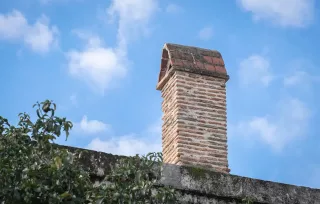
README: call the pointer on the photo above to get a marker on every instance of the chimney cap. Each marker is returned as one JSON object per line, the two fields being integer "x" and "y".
{"x": 191, "y": 59}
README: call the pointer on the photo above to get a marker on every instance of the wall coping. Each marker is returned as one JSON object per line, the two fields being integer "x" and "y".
{"x": 209, "y": 183}
{"x": 222, "y": 185}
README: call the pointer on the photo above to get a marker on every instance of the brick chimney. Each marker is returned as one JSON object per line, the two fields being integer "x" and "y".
{"x": 194, "y": 131}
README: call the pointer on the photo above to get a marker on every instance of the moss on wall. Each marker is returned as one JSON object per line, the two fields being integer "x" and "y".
{"x": 196, "y": 172}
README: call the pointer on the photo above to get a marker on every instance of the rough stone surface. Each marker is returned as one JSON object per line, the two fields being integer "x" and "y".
{"x": 216, "y": 187}
{"x": 97, "y": 163}
{"x": 197, "y": 185}
{"x": 194, "y": 130}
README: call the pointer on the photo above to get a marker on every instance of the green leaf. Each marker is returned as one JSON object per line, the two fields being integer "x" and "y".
{"x": 46, "y": 107}
{"x": 58, "y": 162}
{"x": 66, "y": 195}
{"x": 99, "y": 201}
{"x": 38, "y": 113}
{"x": 49, "y": 137}
{"x": 57, "y": 130}
{"x": 52, "y": 112}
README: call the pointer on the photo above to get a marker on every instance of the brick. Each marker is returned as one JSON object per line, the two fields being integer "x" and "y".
{"x": 217, "y": 61}
{"x": 194, "y": 130}
{"x": 176, "y": 62}
{"x": 207, "y": 59}
{"x": 209, "y": 67}
{"x": 220, "y": 69}
{"x": 199, "y": 65}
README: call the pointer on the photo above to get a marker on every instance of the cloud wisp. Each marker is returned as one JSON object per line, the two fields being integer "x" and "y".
{"x": 286, "y": 13}
{"x": 288, "y": 123}
{"x": 147, "y": 141}
{"x": 40, "y": 36}
{"x": 206, "y": 33}
{"x": 255, "y": 70}
{"x": 173, "y": 8}
{"x": 90, "y": 127}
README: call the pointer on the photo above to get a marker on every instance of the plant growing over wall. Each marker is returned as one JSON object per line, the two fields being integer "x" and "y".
{"x": 34, "y": 170}
{"x": 247, "y": 200}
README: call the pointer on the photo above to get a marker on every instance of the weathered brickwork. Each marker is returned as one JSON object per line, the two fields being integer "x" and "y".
{"x": 194, "y": 121}
{"x": 194, "y": 130}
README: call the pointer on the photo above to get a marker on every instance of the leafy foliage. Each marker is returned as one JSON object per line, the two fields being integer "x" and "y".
{"x": 247, "y": 200}
{"x": 34, "y": 170}
{"x": 137, "y": 184}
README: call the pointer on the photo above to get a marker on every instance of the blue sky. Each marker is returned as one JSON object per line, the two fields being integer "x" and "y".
{"x": 99, "y": 61}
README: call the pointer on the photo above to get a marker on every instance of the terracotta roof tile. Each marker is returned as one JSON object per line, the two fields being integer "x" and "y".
{"x": 192, "y": 58}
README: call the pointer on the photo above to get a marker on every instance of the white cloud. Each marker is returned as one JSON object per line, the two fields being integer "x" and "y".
{"x": 289, "y": 123}
{"x": 296, "y": 78}
{"x": 255, "y": 70}
{"x": 100, "y": 65}
{"x": 133, "y": 18}
{"x": 126, "y": 145}
{"x": 129, "y": 145}
{"x": 300, "y": 78}
{"x": 12, "y": 25}
{"x": 173, "y": 8}
{"x": 97, "y": 65}
{"x": 39, "y": 37}
{"x": 86, "y": 126}
{"x": 301, "y": 75}
{"x": 295, "y": 13}
{"x": 206, "y": 33}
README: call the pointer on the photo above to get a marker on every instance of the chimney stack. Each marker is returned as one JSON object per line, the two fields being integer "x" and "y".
{"x": 194, "y": 131}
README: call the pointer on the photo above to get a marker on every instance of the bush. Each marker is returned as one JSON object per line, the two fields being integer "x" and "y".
{"x": 34, "y": 170}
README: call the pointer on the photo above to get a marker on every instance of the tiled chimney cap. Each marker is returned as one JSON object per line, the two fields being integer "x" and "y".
{"x": 190, "y": 59}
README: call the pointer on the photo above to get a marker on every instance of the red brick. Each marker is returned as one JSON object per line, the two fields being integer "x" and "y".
{"x": 208, "y": 59}
{"x": 199, "y": 65}
{"x": 220, "y": 69}
{"x": 210, "y": 67}
{"x": 217, "y": 61}
{"x": 176, "y": 62}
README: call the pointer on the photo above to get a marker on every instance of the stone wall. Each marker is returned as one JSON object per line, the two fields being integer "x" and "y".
{"x": 197, "y": 185}
{"x": 203, "y": 186}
